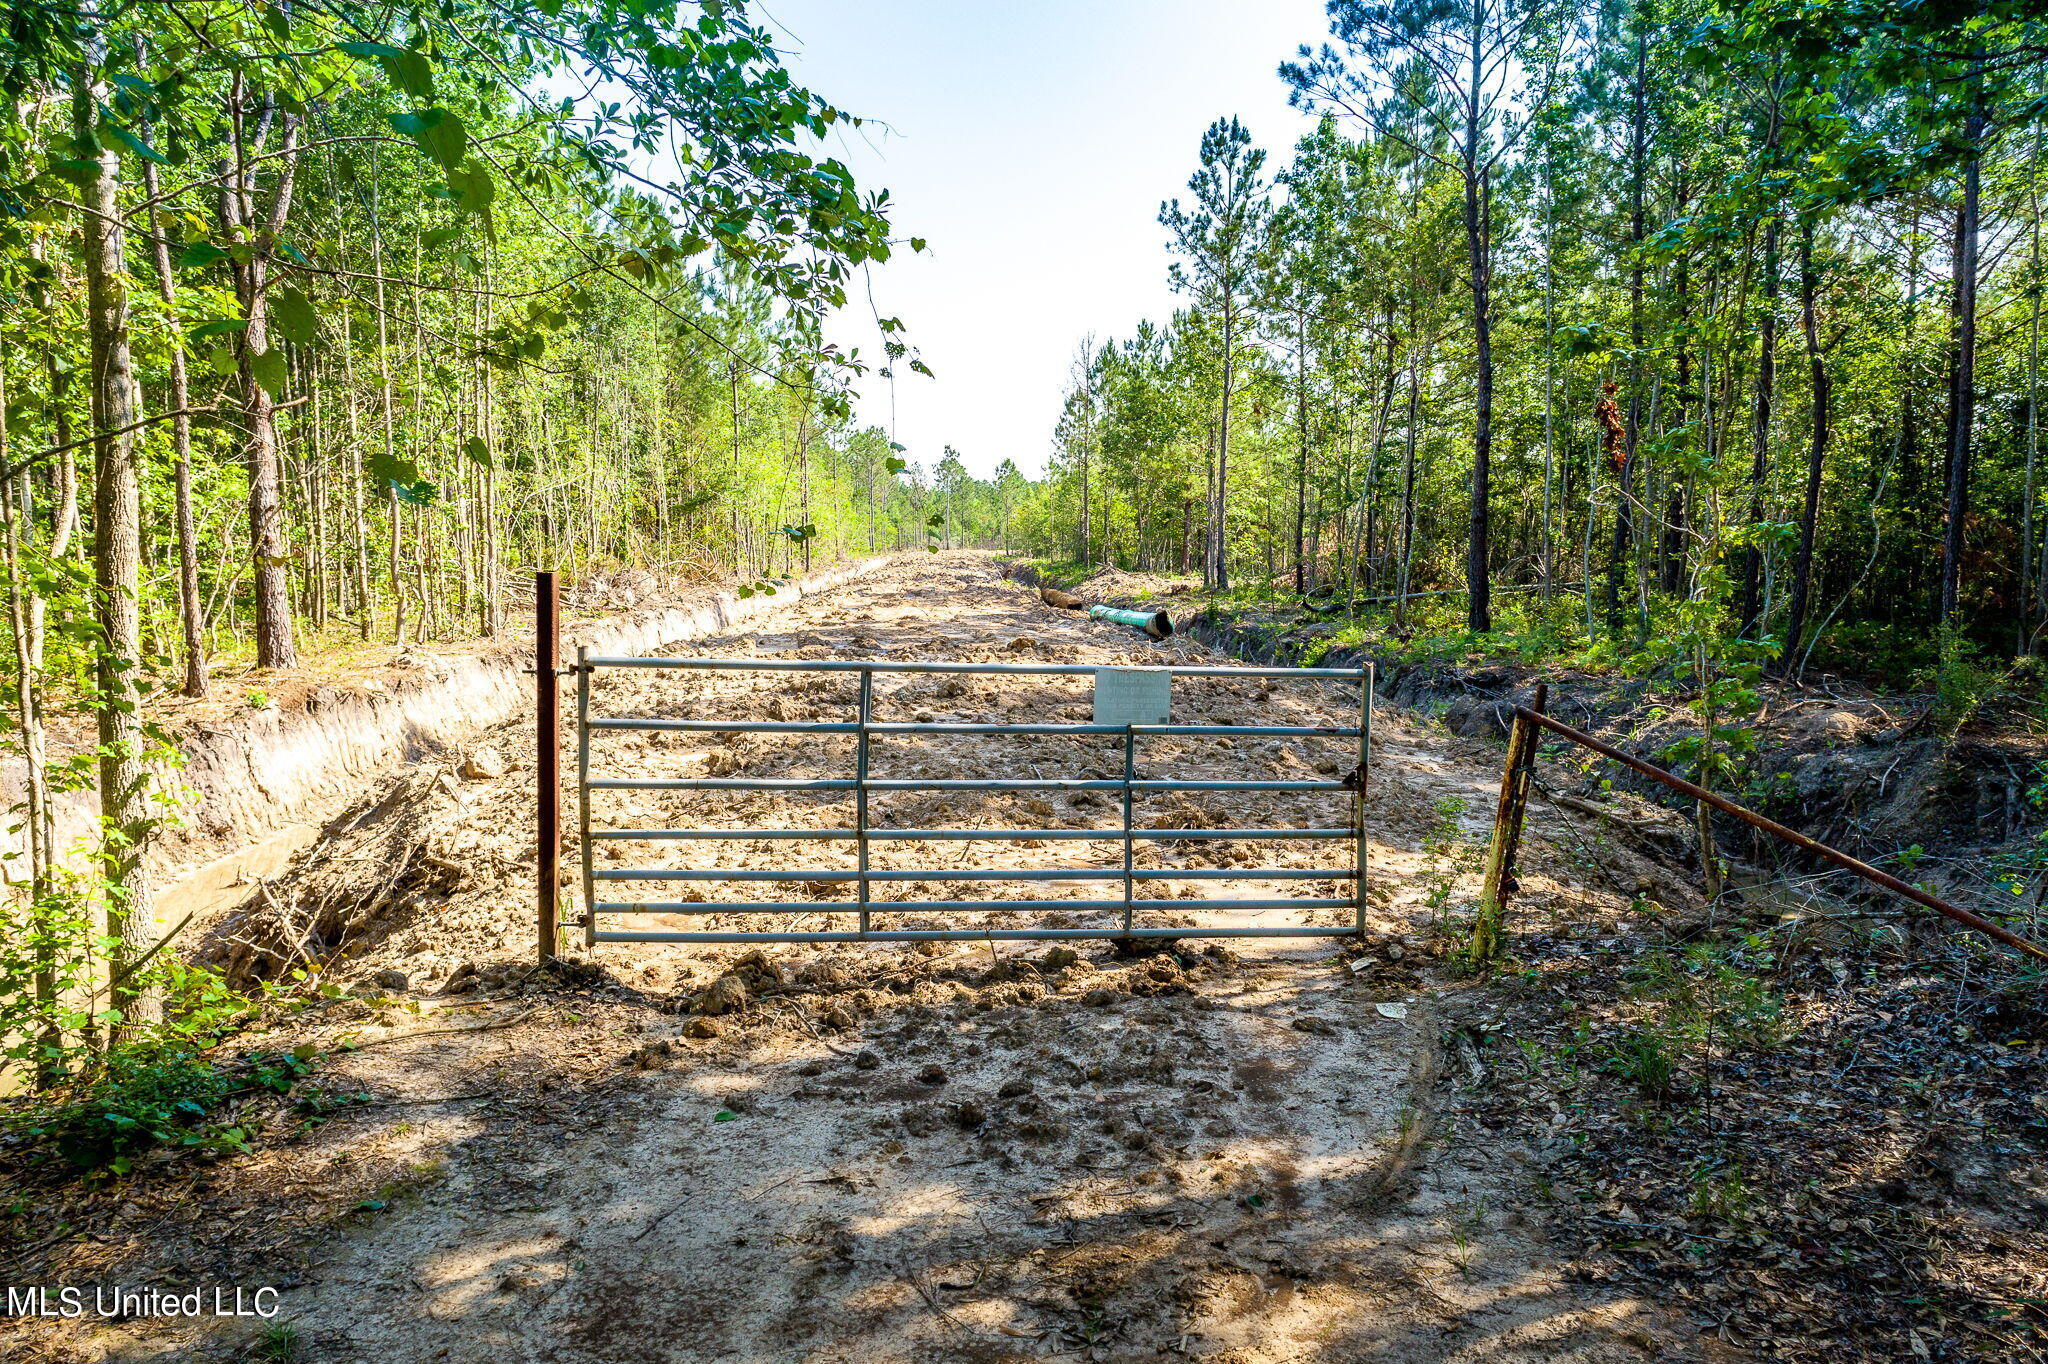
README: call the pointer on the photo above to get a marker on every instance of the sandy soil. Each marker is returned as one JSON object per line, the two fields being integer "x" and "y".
{"x": 1248, "y": 1153}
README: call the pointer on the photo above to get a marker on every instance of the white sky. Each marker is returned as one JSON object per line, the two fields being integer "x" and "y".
{"x": 1030, "y": 144}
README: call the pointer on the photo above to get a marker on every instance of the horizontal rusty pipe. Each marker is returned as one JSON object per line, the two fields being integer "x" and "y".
{"x": 1157, "y": 624}
{"x": 1792, "y": 836}
{"x": 1066, "y": 601}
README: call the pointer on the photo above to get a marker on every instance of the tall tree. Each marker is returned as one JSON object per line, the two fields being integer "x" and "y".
{"x": 1217, "y": 236}
{"x": 126, "y": 815}
{"x": 1468, "y": 56}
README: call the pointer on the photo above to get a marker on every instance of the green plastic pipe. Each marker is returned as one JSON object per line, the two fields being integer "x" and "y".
{"x": 1157, "y": 624}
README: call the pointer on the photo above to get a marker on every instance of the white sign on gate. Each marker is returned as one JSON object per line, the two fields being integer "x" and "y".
{"x": 1133, "y": 696}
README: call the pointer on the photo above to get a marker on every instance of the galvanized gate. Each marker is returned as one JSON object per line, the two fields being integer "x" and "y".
{"x": 863, "y": 833}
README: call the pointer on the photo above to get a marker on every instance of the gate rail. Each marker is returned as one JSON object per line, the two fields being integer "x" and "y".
{"x": 863, "y": 833}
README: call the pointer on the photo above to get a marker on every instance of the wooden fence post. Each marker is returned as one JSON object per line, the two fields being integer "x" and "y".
{"x": 1507, "y": 832}
{"x": 547, "y": 624}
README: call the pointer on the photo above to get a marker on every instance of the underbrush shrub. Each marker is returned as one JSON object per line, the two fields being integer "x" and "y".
{"x": 156, "y": 1092}
{"x": 1648, "y": 1059}
{"x": 1692, "y": 1003}
{"x": 1964, "y": 679}
{"x": 90, "y": 1100}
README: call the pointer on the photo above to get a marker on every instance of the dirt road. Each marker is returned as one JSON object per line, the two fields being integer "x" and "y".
{"x": 1247, "y": 1153}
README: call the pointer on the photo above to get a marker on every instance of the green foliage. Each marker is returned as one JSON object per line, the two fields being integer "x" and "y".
{"x": 1716, "y": 1190}
{"x": 48, "y": 951}
{"x": 1448, "y": 856}
{"x": 1766, "y": 173}
{"x": 1964, "y": 679}
{"x": 1693, "y": 1002}
{"x": 279, "y": 1343}
{"x": 152, "y": 1093}
{"x": 1647, "y": 1058}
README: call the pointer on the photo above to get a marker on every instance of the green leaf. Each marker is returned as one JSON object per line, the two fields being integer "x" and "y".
{"x": 895, "y": 465}
{"x": 411, "y": 72}
{"x": 408, "y": 70}
{"x": 724, "y": 1115}
{"x": 134, "y": 143}
{"x": 218, "y": 327}
{"x": 271, "y": 372}
{"x": 294, "y": 317}
{"x": 477, "y": 452}
{"x": 389, "y": 467}
{"x": 438, "y": 132}
{"x": 474, "y": 188}
{"x": 198, "y": 254}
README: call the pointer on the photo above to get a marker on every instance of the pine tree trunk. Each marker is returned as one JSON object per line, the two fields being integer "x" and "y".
{"x": 1624, "y": 500}
{"x": 1817, "y": 451}
{"x": 181, "y": 456}
{"x": 117, "y": 571}
{"x": 1408, "y": 490}
{"x": 1766, "y": 382}
{"x": 1219, "y": 508}
{"x": 1479, "y": 247}
{"x": 1760, "y": 454}
{"x": 1963, "y": 379}
{"x": 270, "y": 554}
{"x": 1301, "y": 573}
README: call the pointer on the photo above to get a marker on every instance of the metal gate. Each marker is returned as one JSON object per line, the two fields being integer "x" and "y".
{"x": 863, "y": 833}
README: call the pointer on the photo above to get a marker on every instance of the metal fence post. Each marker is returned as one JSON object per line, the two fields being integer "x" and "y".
{"x": 547, "y": 621}
{"x": 860, "y": 792}
{"x": 1130, "y": 774}
{"x": 583, "y": 790}
{"x": 1365, "y": 687}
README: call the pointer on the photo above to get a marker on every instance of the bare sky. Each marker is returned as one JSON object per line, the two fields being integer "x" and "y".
{"x": 1031, "y": 145}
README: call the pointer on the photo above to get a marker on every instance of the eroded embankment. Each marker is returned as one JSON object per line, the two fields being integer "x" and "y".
{"x": 258, "y": 788}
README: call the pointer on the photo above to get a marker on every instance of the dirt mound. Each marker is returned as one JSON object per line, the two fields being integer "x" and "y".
{"x": 1120, "y": 587}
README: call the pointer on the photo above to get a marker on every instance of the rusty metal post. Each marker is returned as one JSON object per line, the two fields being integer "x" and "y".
{"x": 547, "y": 633}
{"x": 1507, "y": 830}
